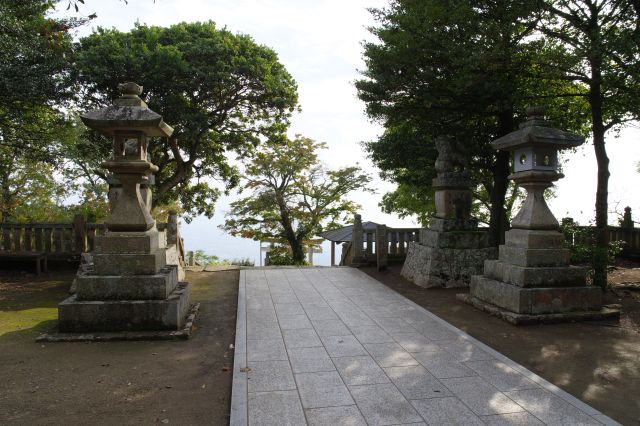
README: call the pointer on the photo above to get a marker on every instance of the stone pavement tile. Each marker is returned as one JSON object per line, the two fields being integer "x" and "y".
{"x": 266, "y": 350}
{"x": 301, "y": 338}
{"x": 415, "y": 342}
{"x": 360, "y": 370}
{"x": 446, "y": 412}
{"x": 259, "y": 303}
{"x": 320, "y": 313}
{"x": 390, "y": 354}
{"x": 261, "y": 316}
{"x": 480, "y": 396}
{"x": 269, "y": 330}
{"x": 347, "y": 415}
{"x": 394, "y": 325}
{"x": 338, "y": 346}
{"x": 275, "y": 409}
{"x": 512, "y": 419}
{"x": 371, "y": 334}
{"x": 433, "y": 330}
{"x": 322, "y": 389}
{"x": 356, "y": 319}
{"x": 270, "y": 376}
{"x": 550, "y": 408}
{"x": 442, "y": 365}
{"x": 415, "y": 382}
{"x": 383, "y": 405}
{"x": 501, "y": 375}
{"x": 284, "y": 297}
{"x": 464, "y": 350}
{"x": 288, "y": 309}
{"x": 333, "y": 327}
{"x": 310, "y": 360}
{"x": 294, "y": 322}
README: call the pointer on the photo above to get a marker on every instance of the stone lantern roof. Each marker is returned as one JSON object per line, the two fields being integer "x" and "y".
{"x": 128, "y": 112}
{"x": 537, "y": 131}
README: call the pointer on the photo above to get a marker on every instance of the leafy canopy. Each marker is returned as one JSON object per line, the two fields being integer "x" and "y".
{"x": 293, "y": 197}
{"x": 220, "y": 91}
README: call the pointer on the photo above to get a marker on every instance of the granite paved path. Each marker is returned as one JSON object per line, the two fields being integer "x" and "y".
{"x": 333, "y": 346}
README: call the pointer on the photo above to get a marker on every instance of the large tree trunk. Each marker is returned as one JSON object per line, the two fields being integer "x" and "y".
{"x": 297, "y": 252}
{"x": 498, "y": 222}
{"x": 600, "y": 257}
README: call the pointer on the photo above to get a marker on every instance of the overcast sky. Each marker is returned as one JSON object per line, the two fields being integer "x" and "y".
{"x": 319, "y": 42}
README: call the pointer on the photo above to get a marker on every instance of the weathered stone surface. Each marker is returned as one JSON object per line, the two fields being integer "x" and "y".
{"x": 454, "y": 239}
{"x": 452, "y": 203}
{"x": 444, "y": 267}
{"x": 521, "y": 276}
{"x": 133, "y": 287}
{"x": 534, "y": 257}
{"x": 121, "y": 315}
{"x": 534, "y": 239}
{"x": 443, "y": 225}
{"x": 129, "y": 264}
{"x": 126, "y": 242}
{"x": 535, "y": 300}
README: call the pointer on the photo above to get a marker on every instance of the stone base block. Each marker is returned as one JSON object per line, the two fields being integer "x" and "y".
{"x": 444, "y": 267}
{"x": 454, "y": 239}
{"x": 534, "y": 257}
{"x": 129, "y": 264}
{"x": 526, "y": 238}
{"x": 76, "y": 316}
{"x": 127, "y": 242}
{"x": 534, "y": 301}
{"x": 128, "y": 287}
{"x": 442, "y": 225}
{"x": 525, "y": 319}
{"x": 548, "y": 276}
{"x": 116, "y": 336}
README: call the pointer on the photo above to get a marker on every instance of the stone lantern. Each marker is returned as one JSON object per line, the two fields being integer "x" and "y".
{"x": 130, "y": 287}
{"x": 532, "y": 281}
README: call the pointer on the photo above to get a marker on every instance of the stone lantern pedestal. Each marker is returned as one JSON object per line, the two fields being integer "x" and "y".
{"x": 452, "y": 248}
{"x": 532, "y": 280}
{"x": 129, "y": 287}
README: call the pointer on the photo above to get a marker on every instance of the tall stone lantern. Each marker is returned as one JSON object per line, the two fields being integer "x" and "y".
{"x": 532, "y": 281}
{"x": 130, "y": 286}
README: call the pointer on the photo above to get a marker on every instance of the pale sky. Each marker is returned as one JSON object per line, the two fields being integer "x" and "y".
{"x": 319, "y": 42}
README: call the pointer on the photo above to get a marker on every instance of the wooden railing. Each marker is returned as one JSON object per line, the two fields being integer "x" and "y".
{"x": 66, "y": 241}
{"x": 397, "y": 244}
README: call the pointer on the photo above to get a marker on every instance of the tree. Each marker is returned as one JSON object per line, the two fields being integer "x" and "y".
{"x": 220, "y": 91}
{"x": 597, "y": 46}
{"x": 462, "y": 69}
{"x": 293, "y": 197}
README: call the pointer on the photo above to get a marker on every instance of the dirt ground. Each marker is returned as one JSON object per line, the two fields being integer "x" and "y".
{"x": 598, "y": 362}
{"x": 118, "y": 383}
{"x": 189, "y": 382}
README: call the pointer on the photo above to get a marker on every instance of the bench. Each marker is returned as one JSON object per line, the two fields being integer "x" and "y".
{"x": 39, "y": 257}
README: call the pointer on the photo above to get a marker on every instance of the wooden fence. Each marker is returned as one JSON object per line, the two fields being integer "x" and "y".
{"x": 66, "y": 241}
{"x": 397, "y": 244}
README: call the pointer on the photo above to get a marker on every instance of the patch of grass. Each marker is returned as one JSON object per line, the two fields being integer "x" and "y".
{"x": 12, "y": 321}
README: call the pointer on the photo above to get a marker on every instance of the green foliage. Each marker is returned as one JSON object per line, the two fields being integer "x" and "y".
{"x": 220, "y": 91}
{"x": 596, "y": 45}
{"x": 293, "y": 197}
{"x": 464, "y": 69}
{"x": 281, "y": 256}
{"x": 581, "y": 240}
{"x": 204, "y": 259}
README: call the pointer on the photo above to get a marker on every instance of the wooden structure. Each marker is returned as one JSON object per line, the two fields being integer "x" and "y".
{"x": 65, "y": 241}
{"x": 395, "y": 247}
